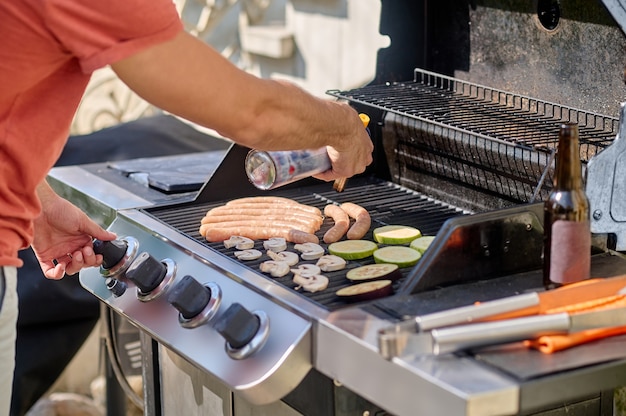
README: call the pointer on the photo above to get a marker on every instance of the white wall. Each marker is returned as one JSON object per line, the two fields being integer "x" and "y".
{"x": 321, "y": 44}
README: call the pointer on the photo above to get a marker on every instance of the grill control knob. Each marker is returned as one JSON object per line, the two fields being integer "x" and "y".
{"x": 238, "y": 326}
{"x": 116, "y": 255}
{"x": 190, "y": 297}
{"x": 112, "y": 251}
{"x": 146, "y": 272}
{"x": 117, "y": 287}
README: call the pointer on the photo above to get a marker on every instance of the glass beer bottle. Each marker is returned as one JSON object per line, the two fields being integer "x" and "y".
{"x": 567, "y": 235}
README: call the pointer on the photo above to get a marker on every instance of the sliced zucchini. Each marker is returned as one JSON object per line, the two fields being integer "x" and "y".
{"x": 366, "y": 291}
{"x": 382, "y": 271}
{"x": 396, "y": 234}
{"x": 422, "y": 243}
{"x": 402, "y": 256}
{"x": 353, "y": 249}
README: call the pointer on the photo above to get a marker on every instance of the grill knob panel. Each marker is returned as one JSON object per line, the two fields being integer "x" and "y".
{"x": 238, "y": 326}
{"x": 250, "y": 370}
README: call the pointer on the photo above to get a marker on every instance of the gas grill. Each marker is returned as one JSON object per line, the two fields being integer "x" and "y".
{"x": 465, "y": 162}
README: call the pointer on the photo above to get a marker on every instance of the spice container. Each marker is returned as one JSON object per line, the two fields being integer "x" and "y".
{"x": 269, "y": 170}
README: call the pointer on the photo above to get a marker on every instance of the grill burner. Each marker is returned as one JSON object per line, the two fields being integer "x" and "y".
{"x": 387, "y": 204}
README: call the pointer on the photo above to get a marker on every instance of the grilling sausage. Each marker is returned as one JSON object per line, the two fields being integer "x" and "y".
{"x": 342, "y": 223}
{"x": 262, "y": 218}
{"x": 305, "y": 222}
{"x": 261, "y": 232}
{"x": 262, "y": 209}
{"x": 252, "y": 202}
{"x": 258, "y": 223}
{"x": 270, "y": 207}
{"x": 362, "y": 220}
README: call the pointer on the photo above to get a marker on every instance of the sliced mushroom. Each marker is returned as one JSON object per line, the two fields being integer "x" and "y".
{"x": 311, "y": 283}
{"x": 310, "y": 251}
{"x": 239, "y": 242}
{"x": 275, "y": 244}
{"x": 275, "y": 268}
{"x": 249, "y": 254}
{"x": 307, "y": 270}
{"x": 331, "y": 263}
{"x": 288, "y": 257}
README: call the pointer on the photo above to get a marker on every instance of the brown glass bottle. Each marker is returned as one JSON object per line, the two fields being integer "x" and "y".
{"x": 567, "y": 236}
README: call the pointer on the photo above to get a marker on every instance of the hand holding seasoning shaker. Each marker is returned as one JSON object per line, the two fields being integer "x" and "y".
{"x": 269, "y": 170}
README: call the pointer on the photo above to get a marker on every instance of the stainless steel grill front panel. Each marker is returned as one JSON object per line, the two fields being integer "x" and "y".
{"x": 263, "y": 377}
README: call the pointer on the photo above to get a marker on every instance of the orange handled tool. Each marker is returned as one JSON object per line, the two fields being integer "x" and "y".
{"x": 549, "y": 344}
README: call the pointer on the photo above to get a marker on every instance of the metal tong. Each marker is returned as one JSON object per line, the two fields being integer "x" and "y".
{"x": 515, "y": 318}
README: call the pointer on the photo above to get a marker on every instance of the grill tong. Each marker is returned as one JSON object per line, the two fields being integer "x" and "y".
{"x": 515, "y": 318}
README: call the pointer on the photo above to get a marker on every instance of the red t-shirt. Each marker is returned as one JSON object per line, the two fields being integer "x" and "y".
{"x": 49, "y": 50}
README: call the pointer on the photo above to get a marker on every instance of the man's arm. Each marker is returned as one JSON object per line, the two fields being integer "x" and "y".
{"x": 190, "y": 79}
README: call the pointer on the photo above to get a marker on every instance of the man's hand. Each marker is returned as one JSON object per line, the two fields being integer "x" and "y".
{"x": 356, "y": 153}
{"x": 63, "y": 235}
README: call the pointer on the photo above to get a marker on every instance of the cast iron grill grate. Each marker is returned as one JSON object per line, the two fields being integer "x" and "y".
{"x": 494, "y": 141}
{"x": 386, "y": 202}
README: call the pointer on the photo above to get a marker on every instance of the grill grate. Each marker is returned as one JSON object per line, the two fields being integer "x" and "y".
{"x": 493, "y": 141}
{"x": 386, "y": 202}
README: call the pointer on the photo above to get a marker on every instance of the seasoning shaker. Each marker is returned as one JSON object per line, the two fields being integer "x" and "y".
{"x": 269, "y": 170}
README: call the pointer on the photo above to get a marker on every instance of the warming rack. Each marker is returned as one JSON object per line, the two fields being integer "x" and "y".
{"x": 492, "y": 140}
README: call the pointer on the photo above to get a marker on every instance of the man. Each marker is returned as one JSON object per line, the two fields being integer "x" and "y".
{"x": 61, "y": 311}
{"x": 49, "y": 50}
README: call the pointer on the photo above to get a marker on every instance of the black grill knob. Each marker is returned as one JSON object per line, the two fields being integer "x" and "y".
{"x": 146, "y": 272}
{"x": 190, "y": 297}
{"x": 112, "y": 251}
{"x": 117, "y": 287}
{"x": 238, "y": 326}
